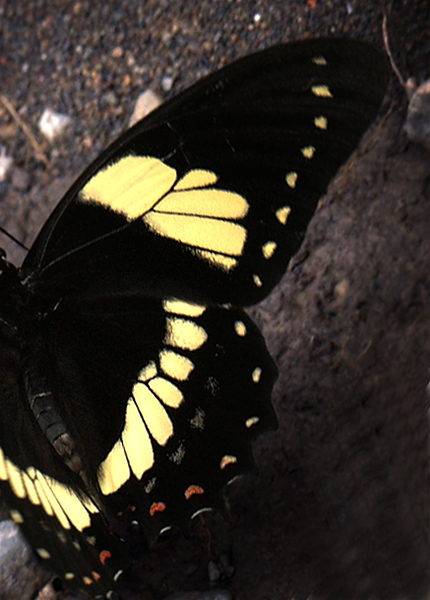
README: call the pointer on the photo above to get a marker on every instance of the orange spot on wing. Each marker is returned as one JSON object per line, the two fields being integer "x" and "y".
{"x": 156, "y": 507}
{"x": 104, "y": 556}
{"x": 192, "y": 490}
{"x": 96, "y": 576}
{"x": 87, "y": 580}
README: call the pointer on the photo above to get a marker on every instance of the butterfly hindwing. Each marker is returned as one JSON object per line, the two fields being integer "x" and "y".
{"x": 163, "y": 398}
{"x": 64, "y": 529}
{"x": 172, "y": 396}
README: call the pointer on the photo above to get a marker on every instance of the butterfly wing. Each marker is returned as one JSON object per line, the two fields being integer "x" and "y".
{"x": 160, "y": 382}
{"x": 59, "y": 521}
{"x": 66, "y": 532}
{"x": 209, "y": 197}
{"x": 162, "y": 401}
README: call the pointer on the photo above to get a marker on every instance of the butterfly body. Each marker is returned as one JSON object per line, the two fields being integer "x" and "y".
{"x": 133, "y": 382}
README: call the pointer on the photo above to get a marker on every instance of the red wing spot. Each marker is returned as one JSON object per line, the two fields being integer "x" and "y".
{"x": 96, "y": 576}
{"x": 192, "y": 490}
{"x": 156, "y": 507}
{"x": 104, "y": 556}
{"x": 132, "y": 508}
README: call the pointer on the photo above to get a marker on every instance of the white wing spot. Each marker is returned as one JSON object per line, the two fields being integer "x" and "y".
{"x": 257, "y": 280}
{"x": 251, "y": 421}
{"x": 226, "y": 460}
{"x": 319, "y": 60}
{"x": 256, "y": 374}
{"x": 16, "y": 517}
{"x": 44, "y": 554}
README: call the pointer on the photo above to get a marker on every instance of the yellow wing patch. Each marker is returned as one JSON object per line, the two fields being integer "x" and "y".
{"x": 175, "y": 365}
{"x": 56, "y": 499}
{"x": 130, "y": 186}
{"x": 217, "y": 235}
{"x": 179, "y": 307}
{"x": 185, "y": 334}
{"x": 187, "y": 210}
{"x": 153, "y": 395}
{"x": 196, "y": 178}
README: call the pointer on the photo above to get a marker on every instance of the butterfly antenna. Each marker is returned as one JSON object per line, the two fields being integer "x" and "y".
{"x": 13, "y": 238}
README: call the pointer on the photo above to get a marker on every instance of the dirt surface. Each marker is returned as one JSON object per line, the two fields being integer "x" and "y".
{"x": 340, "y": 509}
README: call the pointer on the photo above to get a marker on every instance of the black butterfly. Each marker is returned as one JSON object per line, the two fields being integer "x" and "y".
{"x": 131, "y": 382}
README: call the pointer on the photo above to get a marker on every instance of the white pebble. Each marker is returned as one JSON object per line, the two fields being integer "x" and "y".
{"x": 5, "y": 163}
{"x": 167, "y": 83}
{"x": 146, "y": 103}
{"x": 52, "y": 124}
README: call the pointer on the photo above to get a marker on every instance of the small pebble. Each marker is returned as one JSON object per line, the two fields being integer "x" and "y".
{"x": 5, "y": 163}
{"x": 146, "y": 102}
{"x": 167, "y": 83}
{"x": 117, "y": 52}
{"x": 52, "y": 124}
{"x": 110, "y": 98}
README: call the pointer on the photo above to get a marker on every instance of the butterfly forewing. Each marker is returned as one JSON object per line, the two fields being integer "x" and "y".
{"x": 219, "y": 184}
{"x": 120, "y": 330}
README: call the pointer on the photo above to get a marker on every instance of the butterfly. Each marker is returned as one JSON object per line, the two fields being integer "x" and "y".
{"x": 132, "y": 380}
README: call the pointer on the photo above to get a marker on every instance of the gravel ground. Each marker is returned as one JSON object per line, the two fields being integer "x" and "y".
{"x": 340, "y": 509}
